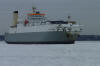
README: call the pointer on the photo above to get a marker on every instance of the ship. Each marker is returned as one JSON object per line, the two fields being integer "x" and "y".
{"x": 37, "y": 29}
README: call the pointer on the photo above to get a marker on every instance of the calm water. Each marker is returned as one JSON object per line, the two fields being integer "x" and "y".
{"x": 82, "y": 53}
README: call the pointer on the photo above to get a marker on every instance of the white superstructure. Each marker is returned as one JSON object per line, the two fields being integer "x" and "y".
{"x": 36, "y": 22}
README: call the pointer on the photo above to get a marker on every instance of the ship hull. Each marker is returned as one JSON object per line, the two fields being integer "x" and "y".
{"x": 39, "y": 38}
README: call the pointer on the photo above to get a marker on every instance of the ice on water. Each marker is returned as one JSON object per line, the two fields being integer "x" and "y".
{"x": 82, "y": 53}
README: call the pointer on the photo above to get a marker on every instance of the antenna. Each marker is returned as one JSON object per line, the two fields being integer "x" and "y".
{"x": 33, "y": 6}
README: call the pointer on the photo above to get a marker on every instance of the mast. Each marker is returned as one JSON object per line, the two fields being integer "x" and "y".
{"x": 33, "y": 9}
{"x": 69, "y": 17}
{"x": 70, "y": 28}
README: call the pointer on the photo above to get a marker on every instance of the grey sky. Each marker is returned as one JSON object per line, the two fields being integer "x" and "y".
{"x": 85, "y": 12}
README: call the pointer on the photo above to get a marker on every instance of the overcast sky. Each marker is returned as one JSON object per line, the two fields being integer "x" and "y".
{"x": 85, "y": 12}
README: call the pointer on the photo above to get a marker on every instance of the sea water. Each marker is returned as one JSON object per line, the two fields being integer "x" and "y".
{"x": 82, "y": 53}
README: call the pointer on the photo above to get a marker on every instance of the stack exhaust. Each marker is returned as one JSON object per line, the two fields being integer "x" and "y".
{"x": 15, "y": 18}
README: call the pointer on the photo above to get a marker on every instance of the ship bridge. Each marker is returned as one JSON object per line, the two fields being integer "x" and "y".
{"x": 36, "y": 18}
